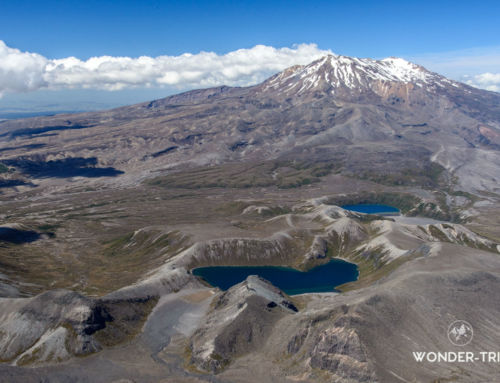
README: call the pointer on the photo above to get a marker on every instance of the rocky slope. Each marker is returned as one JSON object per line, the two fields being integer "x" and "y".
{"x": 367, "y": 335}
{"x": 370, "y": 335}
{"x": 364, "y": 115}
{"x": 59, "y": 324}
{"x": 240, "y": 322}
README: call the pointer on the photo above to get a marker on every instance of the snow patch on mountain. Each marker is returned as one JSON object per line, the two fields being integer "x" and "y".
{"x": 334, "y": 72}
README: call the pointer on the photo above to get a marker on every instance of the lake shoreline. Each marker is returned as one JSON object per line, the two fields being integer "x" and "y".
{"x": 320, "y": 279}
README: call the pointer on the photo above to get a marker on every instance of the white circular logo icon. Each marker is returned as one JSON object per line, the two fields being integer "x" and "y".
{"x": 460, "y": 333}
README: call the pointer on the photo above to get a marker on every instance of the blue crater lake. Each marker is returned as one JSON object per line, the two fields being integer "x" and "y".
{"x": 372, "y": 209}
{"x": 319, "y": 279}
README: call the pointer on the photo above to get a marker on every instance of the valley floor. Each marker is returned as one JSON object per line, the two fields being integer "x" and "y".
{"x": 143, "y": 317}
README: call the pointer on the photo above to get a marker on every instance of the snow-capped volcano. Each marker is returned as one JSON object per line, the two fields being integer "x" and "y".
{"x": 333, "y": 72}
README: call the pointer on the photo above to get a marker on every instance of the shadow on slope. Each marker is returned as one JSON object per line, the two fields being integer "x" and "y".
{"x": 64, "y": 168}
{"x": 27, "y": 147}
{"x": 30, "y": 132}
{"x": 17, "y": 236}
{"x": 12, "y": 183}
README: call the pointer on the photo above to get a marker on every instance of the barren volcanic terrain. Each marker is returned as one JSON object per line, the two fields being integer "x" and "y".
{"x": 105, "y": 214}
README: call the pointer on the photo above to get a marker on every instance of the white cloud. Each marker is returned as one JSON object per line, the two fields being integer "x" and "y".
{"x": 24, "y": 71}
{"x": 488, "y": 81}
{"x": 20, "y": 71}
{"x": 462, "y": 62}
{"x": 477, "y": 67}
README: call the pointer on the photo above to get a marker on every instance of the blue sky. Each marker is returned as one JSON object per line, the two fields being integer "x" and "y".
{"x": 456, "y": 38}
{"x": 88, "y": 28}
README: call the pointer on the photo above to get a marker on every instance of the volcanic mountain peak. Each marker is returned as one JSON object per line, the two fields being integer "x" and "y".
{"x": 334, "y": 71}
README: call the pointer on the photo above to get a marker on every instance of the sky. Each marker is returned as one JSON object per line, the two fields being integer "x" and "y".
{"x": 83, "y": 55}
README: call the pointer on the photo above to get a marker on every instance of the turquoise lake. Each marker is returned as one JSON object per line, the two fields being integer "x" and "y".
{"x": 371, "y": 209}
{"x": 319, "y": 279}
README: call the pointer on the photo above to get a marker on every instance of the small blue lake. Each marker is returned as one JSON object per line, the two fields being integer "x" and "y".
{"x": 372, "y": 209}
{"x": 319, "y": 279}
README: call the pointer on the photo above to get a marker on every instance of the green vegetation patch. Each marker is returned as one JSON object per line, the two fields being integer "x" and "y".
{"x": 436, "y": 233}
{"x": 429, "y": 176}
{"x": 126, "y": 319}
{"x": 371, "y": 269}
{"x": 282, "y": 174}
{"x": 237, "y": 207}
{"x": 122, "y": 260}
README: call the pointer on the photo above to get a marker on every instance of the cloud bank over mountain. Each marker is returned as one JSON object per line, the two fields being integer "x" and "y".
{"x": 488, "y": 81}
{"x": 27, "y": 72}
{"x": 478, "y": 67}
{"x": 21, "y": 71}
{"x": 24, "y": 71}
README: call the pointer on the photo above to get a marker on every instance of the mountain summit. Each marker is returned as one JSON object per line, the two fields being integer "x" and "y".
{"x": 339, "y": 73}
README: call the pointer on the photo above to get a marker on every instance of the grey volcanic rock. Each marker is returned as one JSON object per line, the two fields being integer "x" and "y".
{"x": 369, "y": 335}
{"x": 59, "y": 324}
{"x": 253, "y": 332}
{"x": 7, "y": 289}
{"x": 240, "y": 322}
{"x": 41, "y": 322}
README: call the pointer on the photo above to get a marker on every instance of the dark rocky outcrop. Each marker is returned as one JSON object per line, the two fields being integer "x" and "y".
{"x": 240, "y": 322}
